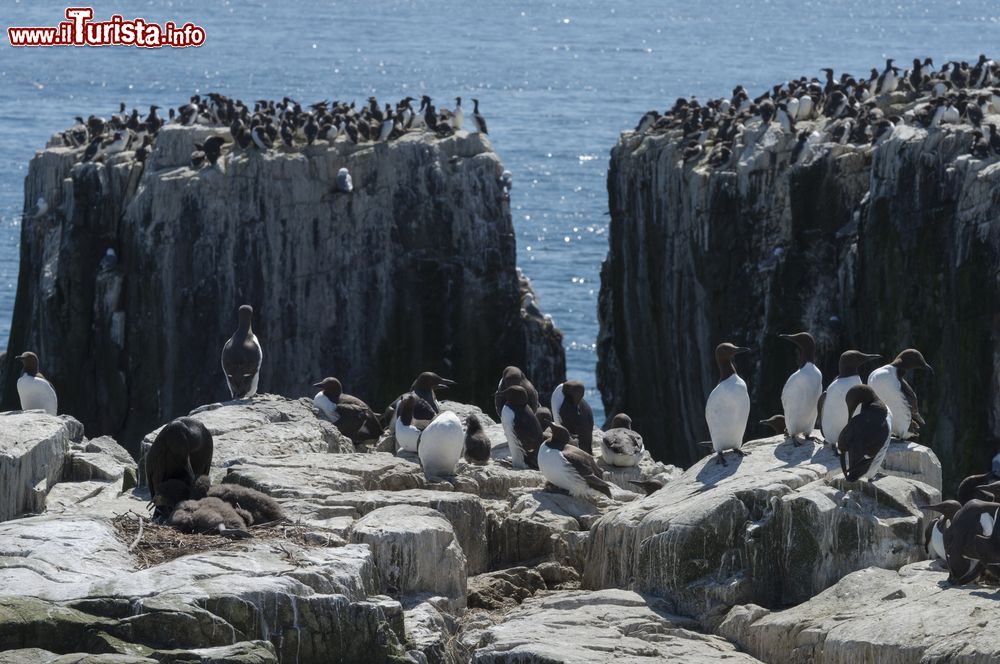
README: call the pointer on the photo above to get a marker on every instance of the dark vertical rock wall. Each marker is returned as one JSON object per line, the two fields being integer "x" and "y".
{"x": 871, "y": 248}
{"x": 414, "y": 270}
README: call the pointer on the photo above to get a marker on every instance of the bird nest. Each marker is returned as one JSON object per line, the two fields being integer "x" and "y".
{"x": 152, "y": 543}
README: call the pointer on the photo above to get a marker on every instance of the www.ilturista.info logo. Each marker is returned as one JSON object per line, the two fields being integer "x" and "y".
{"x": 79, "y": 30}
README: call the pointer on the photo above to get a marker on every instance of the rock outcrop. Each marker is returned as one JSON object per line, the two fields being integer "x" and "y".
{"x": 773, "y": 528}
{"x": 910, "y": 616}
{"x": 33, "y": 450}
{"x": 413, "y": 271}
{"x": 375, "y": 563}
{"x": 875, "y": 248}
{"x": 595, "y": 628}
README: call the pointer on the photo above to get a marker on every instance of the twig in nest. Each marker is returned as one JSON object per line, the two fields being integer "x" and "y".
{"x": 137, "y": 537}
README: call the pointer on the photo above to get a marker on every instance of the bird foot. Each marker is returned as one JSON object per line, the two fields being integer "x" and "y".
{"x": 506, "y": 463}
{"x": 796, "y": 442}
{"x": 741, "y": 453}
{"x": 721, "y": 459}
{"x": 552, "y": 488}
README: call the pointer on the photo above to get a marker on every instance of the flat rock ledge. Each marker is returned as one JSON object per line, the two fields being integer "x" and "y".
{"x": 379, "y": 564}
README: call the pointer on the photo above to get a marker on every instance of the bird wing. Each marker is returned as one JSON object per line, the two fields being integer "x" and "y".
{"x": 862, "y": 438}
{"x": 819, "y": 411}
{"x": 911, "y": 400}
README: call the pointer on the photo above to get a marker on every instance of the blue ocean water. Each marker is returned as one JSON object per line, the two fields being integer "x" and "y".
{"x": 557, "y": 82}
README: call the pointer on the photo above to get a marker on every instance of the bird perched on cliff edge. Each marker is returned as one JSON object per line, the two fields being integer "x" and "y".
{"x": 33, "y": 389}
{"x": 728, "y": 406}
{"x": 242, "y": 357}
{"x": 891, "y": 387}
{"x": 864, "y": 440}
{"x": 800, "y": 396}
{"x": 833, "y": 413}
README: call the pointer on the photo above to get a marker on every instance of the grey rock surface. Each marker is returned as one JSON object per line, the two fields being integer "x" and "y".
{"x": 773, "y": 528}
{"x": 33, "y": 450}
{"x": 596, "y": 627}
{"x": 909, "y": 616}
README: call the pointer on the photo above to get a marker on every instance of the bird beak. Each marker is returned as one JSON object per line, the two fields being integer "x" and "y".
{"x": 743, "y": 349}
{"x": 444, "y": 383}
{"x": 319, "y": 384}
{"x": 785, "y": 336}
{"x": 929, "y": 368}
{"x": 872, "y": 356}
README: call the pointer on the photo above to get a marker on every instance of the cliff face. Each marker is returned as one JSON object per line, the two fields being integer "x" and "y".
{"x": 872, "y": 248}
{"x": 413, "y": 271}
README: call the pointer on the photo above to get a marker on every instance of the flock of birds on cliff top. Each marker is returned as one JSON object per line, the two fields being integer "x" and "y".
{"x": 269, "y": 125}
{"x": 859, "y": 420}
{"x": 848, "y": 109}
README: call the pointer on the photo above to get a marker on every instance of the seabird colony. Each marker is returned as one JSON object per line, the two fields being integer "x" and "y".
{"x": 841, "y": 109}
{"x": 858, "y": 419}
{"x": 267, "y": 125}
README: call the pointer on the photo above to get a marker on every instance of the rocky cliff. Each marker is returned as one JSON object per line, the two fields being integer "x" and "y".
{"x": 871, "y": 247}
{"x": 413, "y": 271}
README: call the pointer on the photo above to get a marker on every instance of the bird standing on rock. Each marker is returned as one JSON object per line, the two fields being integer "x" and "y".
{"x": 728, "y": 406}
{"x": 477, "y": 444}
{"x": 33, "y": 389}
{"x": 352, "y": 416}
{"x": 570, "y": 468}
{"x": 891, "y": 387}
{"x": 514, "y": 376}
{"x": 479, "y": 119}
{"x": 800, "y": 396}
{"x": 440, "y": 445}
{"x": 407, "y": 427}
{"x": 864, "y": 440}
{"x": 833, "y": 408}
{"x": 571, "y": 410}
{"x": 620, "y": 445}
{"x": 521, "y": 427}
{"x": 242, "y": 357}
{"x": 344, "y": 183}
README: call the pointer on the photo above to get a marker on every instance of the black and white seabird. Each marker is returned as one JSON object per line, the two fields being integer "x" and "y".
{"x": 621, "y": 445}
{"x": 521, "y": 428}
{"x": 407, "y": 426}
{"x": 440, "y": 445}
{"x": 833, "y": 407}
{"x": 800, "y": 396}
{"x": 477, "y": 444}
{"x": 352, "y": 416}
{"x": 891, "y": 387}
{"x": 181, "y": 451}
{"x": 344, "y": 182}
{"x": 728, "y": 406}
{"x": 934, "y": 533}
{"x": 514, "y": 376}
{"x": 458, "y": 115}
{"x": 479, "y": 119}
{"x": 571, "y": 410}
{"x": 426, "y": 406}
{"x": 864, "y": 440}
{"x": 242, "y": 357}
{"x": 33, "y": 389}
{"x": 964, "y": 551}
{"x": 569, "y": 468}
